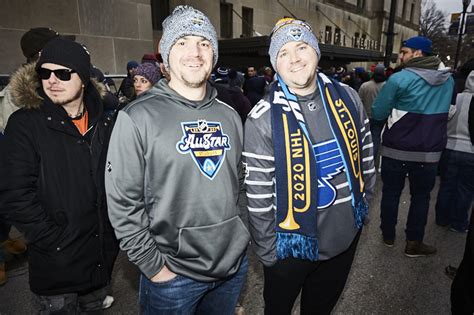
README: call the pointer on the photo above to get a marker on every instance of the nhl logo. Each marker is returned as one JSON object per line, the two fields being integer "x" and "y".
{"x": 197, "y": 22}
{"x": 206, "y": 143}
{"x": 296, "y": 33}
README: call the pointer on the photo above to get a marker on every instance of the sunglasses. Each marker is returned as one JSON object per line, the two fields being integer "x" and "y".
{"x": 61, "y": 74}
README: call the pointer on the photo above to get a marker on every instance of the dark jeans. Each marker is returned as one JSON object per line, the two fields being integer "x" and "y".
{"x": 4, "y": 232}
{"x": 72, "y": 303}
{"x": 456, "y": 190}
{"x": 182, "y": 295}
{"x": 422, "y": 178}
{"x": 321, "y": 282}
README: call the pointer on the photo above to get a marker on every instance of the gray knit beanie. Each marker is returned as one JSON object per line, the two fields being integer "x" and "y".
{"x": 185, "y": 21}
{"x": 288, "y": 30}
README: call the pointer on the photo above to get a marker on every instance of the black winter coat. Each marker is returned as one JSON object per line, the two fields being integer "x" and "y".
{"x": 51, "y": 189}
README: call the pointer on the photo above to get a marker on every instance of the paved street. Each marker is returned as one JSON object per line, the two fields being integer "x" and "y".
{"x": 382, "y": 280}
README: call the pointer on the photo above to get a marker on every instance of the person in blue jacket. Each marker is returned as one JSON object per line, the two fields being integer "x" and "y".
{"x": 416, "y": 103}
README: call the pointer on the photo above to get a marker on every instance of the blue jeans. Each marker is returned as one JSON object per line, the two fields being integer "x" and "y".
{"x": 456, "y": 190}
{"x": 182, "y": 295}
{"x": 422, "y": 178}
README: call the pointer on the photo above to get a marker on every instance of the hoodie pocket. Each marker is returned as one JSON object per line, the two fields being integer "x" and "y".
{"x": 213, "y": 250}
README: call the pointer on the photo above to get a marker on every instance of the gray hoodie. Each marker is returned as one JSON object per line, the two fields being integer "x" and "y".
{"x": 172, "y": 184}
{"x": 459, "y": 138}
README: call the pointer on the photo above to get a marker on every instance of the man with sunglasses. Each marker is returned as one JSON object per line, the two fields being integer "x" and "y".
{"x": 310, "y": 174}
{"x": 51, "y": 179}
{"x": 31, "y": 44}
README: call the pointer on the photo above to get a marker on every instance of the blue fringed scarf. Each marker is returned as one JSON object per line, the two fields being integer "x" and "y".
{"x": 295, "y": 165}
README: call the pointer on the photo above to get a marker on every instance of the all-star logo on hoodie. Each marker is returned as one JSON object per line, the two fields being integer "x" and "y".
{"x": 206, "y": 143}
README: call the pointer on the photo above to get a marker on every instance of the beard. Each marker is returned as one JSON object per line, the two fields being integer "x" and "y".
{"x": 195, "y": 80}
{"x": 65, "y": 101}
{"x": 304, "y": 80}
{"x": 190, "y": 78}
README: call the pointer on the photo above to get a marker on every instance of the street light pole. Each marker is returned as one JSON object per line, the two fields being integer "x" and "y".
{"x": 390, "y": 33}
{"x": 465, "y": 4}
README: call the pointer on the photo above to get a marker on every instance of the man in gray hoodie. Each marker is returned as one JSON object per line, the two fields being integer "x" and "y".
{"x": 172, "y": 180}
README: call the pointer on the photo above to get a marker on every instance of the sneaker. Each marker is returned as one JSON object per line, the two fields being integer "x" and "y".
{"x": 108, "y": 301}
{"x": 3, "y": 274}
{"x": 239, "y": 310}
{"x": 14, "y": 247}
{"x": 452, "y": 229}
{"x": 450, "y": 271}
{"x": 388, "y": 242}
{"x": 418, "y": 249}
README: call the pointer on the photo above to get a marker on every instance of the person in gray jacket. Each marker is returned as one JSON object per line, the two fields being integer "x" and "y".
{"x": 310, "y": 175}
{"x": 172, "y": 180}
{"x": 456, "y": 189}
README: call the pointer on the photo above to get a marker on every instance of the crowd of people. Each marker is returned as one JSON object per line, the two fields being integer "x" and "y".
{"x": 156, "y": 168}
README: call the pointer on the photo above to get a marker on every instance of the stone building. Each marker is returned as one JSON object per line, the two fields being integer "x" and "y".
{"x": 349, "y": 30}
{"x": 116, "y": 31}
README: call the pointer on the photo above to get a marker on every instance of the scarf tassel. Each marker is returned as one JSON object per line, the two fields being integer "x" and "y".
{"x": 296, "y": 246}
{"x": 361, "y": 210}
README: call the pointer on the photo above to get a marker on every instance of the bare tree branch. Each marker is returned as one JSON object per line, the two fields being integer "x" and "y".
{"x": 432, "y": 21}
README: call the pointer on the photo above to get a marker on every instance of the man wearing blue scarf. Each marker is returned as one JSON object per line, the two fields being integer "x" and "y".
{"x": 310, "y": 174}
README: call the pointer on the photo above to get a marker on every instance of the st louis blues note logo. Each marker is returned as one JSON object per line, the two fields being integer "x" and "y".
{"x": 329, "y": 164}
{"x": 206, "y": 143}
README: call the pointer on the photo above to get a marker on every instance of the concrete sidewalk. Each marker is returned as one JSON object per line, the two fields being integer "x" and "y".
{"x": 382, "y": 280}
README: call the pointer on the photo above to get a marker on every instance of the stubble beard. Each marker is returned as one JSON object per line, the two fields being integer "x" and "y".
{"x": 73, "y": 98}
{"x": 195, "y": 82}
{"x": 303, "y": 82}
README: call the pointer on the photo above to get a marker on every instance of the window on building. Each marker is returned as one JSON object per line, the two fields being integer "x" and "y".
{"x": 404, "y": 7}
{"x": 226, "y": 20}
{"x": 328, "y": 35}
{"x": 361, "y": 4}
{"x": 160, "y": 9}
{"x": 363, "y": 41}
{"x": 355, "y": 44}
{"x": 337, "y": 36}
{"x": 412, "y": 13}
{"x": 247, "y": 22}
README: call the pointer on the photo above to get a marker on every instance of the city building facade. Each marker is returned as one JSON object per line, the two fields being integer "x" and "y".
{"x": 348, "y": 30}
{"x": 116, "y": 31}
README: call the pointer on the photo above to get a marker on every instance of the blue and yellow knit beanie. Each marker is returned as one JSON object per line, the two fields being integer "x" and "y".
{"x": 288, "y": 30}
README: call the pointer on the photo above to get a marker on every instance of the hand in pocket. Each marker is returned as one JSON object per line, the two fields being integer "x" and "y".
{"x": 164, "y": 275}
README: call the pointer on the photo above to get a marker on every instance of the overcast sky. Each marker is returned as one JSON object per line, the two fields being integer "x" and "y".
{"x": 451, "y": 6}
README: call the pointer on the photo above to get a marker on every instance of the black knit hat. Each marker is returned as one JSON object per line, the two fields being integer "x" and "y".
{"x": 69, "y": 54}
{"x": 34, "y": 40}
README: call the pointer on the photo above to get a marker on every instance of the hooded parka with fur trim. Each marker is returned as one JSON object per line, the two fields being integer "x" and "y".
{"x": 51, "y": 189}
